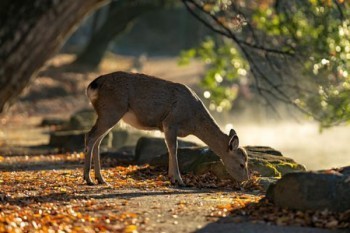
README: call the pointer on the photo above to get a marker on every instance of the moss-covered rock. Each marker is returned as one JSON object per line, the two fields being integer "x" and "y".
{"x": 201, "y": 159}
{"x": 264, "y": 168}
{"x": 148, "y": 148}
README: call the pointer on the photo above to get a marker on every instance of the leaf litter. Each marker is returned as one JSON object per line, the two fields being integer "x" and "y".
{"x": 36, "y": 199}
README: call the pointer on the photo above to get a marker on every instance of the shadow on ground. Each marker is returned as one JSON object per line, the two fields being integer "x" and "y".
{"x": 98, "y": 193}
{"x": 221, "y": 227}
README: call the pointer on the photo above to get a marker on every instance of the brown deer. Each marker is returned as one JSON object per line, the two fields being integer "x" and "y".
{"x": 149, "y": 103}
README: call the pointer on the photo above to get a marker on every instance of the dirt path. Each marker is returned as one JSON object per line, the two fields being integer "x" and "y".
{"x": 43, "y": 193}
{"x": 47, "y": 192}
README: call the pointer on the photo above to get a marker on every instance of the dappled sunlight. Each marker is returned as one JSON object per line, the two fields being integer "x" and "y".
{"x": 44, "y": 198}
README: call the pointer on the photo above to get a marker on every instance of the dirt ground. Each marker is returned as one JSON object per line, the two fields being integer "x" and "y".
{"x": 46, "y": 193}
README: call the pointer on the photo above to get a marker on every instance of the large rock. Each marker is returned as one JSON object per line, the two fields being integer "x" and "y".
{"x": 81, "y": 120}
{"x": 73, "y": 140}
{"x": 313, "y": 191}
{"x": 57, "y": 122}
{"x": 256, "y": 150}
{"x": 148, "y": 148}
{"x": 270, "y": 163}
{"x": 71, "y": 135}
{"x": 132, "y": 137}
{"x": 265, "y": 160}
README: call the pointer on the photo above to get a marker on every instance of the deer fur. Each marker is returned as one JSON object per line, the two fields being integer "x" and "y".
{"x": 149, "y": 103}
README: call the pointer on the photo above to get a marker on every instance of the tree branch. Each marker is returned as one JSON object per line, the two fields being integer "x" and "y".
{"x": 341, "y": 13}
{"x": 203, "y": 20}
{"x": 228, "y": 33}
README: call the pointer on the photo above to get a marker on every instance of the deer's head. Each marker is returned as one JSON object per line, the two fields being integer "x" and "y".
{"x": 236, "y": 159}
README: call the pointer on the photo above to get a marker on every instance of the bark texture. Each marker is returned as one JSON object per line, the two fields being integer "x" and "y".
{"x": 120, "y": 17}
{"x": 30, "y": 33}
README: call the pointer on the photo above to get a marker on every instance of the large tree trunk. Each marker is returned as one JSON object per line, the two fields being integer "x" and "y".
{"x": 120, "y": 17}
{"x": 30, "y": 33}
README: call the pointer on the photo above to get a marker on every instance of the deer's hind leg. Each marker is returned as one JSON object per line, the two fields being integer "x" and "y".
{"x": 96, "y": 159}
{"x": 103, "y": 125}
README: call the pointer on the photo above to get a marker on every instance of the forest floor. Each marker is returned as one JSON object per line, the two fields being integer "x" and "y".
{"x": 46, "y": 193}
{"x": 43, "y": 192}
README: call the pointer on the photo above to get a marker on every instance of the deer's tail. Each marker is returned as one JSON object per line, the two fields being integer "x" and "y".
{"x": 92, "y": 90}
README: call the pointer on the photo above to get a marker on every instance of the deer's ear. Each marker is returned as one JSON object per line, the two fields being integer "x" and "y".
{"x": 234, "y": 142}
{"x": 232, "y": 132}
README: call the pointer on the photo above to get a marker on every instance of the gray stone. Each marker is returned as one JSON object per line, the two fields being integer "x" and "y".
{"x": 189, "y": 159}
{"x": 118, "y": 138}
{"x": 265, "y": 182}
{"x": 345, "y": 170}
{"x": 215, "y": 167}
{"x": 122, "y": 155}
{"x": 270, "y": 162}
{"x": 226, "y": 225}
{"x": 263, "y": 149}
{"x": 132, "y": 137}
{"x": 342, "y": 170}
{"x": 72, "y": 140}
{"x": 201, "y": 160}
{"x": 148, "y": 148}
{"x": 71, "y": 136}
{"x": 81, "y": 120}
{"x": 312, "y": 191}
{"x": 67, "y": 140}
{"x": 53, "y": 122}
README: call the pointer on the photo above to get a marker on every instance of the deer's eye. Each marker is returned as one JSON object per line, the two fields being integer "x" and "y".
{"x": 242, "y": 165}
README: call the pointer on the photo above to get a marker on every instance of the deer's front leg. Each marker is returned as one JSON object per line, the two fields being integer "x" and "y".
{"x": 171, "y": 142}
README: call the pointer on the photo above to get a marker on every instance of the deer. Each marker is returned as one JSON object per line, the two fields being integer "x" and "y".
{"x": 150, "y": 103}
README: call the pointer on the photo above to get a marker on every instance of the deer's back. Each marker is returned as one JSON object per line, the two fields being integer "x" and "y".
{"x": 148, "y": 99}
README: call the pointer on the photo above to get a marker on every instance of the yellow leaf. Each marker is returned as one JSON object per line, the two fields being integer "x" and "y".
{"x": 130, "y": 229}
{"x": 208, "y": 7}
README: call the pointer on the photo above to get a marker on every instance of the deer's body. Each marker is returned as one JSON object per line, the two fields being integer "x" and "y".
{"x": 149, "y": 103}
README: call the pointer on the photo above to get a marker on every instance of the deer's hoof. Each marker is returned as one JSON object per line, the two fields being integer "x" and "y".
{"x": 102, "y": 182}
{"x": 177, "y": 182}
{"x": 180, "y": 184}
{"x": 89, "y": 181}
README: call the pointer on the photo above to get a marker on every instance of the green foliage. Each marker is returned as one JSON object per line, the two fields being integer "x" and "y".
{"x": 314, "y": 32}
{"x": 225, "y": 68}
{"x": 322, "y": 39}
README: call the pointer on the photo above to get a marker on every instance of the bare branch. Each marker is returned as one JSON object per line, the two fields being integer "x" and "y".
{"x": 228, "y": 33}
{"x": 192, "y": 12}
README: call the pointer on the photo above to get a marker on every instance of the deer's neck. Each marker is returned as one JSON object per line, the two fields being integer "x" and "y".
{"x": 210, "y": 133}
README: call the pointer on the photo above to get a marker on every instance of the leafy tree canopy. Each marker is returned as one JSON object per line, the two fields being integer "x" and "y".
{"x": 295, "y": 51}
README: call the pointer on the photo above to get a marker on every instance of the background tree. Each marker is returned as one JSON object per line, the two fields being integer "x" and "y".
{"x": 30, "y": 33}
{"x": 120, "y": 16}
{"x": 297, "y": 52}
